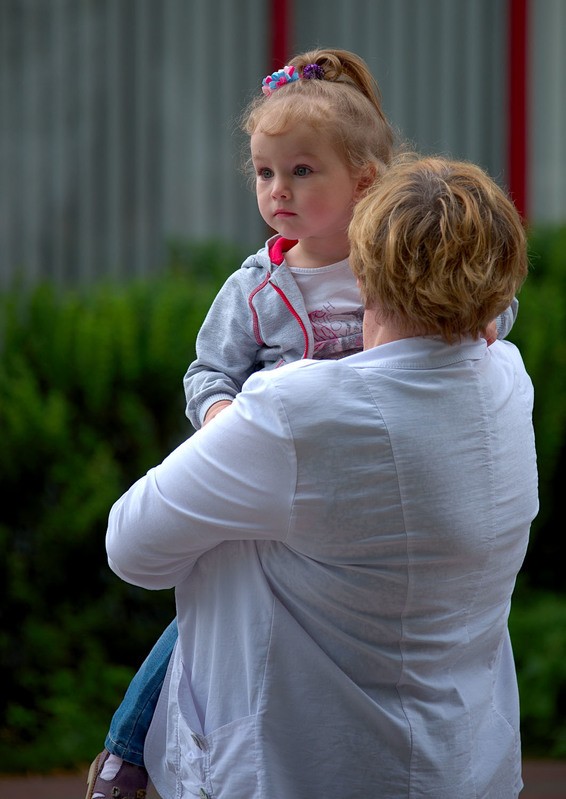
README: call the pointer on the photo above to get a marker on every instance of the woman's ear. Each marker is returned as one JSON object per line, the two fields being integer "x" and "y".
{"x": 367, "y": 178}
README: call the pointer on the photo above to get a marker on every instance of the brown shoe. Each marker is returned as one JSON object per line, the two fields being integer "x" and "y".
{"x": 129, "y": 783}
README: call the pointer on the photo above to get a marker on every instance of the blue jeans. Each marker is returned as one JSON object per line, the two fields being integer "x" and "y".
{"x": 131, "y": 721}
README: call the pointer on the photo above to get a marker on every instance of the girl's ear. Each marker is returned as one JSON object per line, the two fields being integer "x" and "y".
{"x": 367, "y": 178}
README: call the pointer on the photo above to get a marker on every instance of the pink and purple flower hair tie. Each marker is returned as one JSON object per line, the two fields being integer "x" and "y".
{"x": 288, "y": 74}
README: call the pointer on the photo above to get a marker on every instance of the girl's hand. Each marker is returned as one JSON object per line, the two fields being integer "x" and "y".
{"x": 490, "y": 334}
{"x": 215, "y": 409}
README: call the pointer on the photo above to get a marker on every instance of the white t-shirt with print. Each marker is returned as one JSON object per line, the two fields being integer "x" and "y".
{"x": 335, "y": 310}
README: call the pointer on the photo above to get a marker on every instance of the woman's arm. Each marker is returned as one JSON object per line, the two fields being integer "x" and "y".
{"x": 232, "y": 480}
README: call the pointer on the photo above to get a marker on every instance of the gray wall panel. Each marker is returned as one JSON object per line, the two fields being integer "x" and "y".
{"x": 118, "y": 117}
{"x": 547, "y": 146}
{"x": 441, "y": 66}
{"x": 116, "y": 131}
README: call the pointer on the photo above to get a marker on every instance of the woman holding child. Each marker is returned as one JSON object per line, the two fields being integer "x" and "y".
{"x": 344, "y": 539}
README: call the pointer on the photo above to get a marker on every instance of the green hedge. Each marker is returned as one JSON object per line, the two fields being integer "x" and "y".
{"x": 540, "y": 333}
{"x": 538, "y": 617}
{"x": 91, "y": 397}
{"x": 538, "y": 632}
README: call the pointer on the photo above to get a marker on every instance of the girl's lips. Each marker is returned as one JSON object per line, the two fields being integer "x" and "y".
{"x": 282, "y": 212}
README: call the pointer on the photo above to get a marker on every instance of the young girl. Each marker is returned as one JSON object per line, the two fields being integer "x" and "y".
{"x": 318, "y": 140}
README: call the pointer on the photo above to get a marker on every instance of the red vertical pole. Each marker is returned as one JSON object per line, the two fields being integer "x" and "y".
{"x": 517, "y": 132}
{"x": 280, "y": 32}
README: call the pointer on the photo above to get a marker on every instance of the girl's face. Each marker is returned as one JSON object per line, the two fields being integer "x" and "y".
{"x": 305, "y": 190}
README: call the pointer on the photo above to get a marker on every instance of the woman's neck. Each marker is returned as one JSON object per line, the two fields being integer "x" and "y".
{"x": 377, "y": 330}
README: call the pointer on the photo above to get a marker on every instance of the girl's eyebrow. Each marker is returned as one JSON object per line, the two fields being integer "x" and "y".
{"x": 295, "y": 157}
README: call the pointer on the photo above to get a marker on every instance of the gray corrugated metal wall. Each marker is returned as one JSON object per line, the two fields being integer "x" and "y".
{"x": 116, "y": 130}
{"x": 117, "y": 116}
{"x": 547, "y": 149}
{"x": 441, "y": 66}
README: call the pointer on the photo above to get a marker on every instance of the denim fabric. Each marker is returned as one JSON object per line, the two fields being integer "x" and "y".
{"x": 131, "y": 721}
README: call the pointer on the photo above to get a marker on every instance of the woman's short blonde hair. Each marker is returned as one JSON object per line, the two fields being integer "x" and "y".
{"x": 438, "y": 247}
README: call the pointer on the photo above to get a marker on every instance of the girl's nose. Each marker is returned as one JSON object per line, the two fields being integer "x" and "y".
{"x": 279, "y": 188}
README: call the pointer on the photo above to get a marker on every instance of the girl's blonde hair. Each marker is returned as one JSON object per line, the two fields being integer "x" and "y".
{"x": 438, "y": 247}
{"x": 345, "y": 105}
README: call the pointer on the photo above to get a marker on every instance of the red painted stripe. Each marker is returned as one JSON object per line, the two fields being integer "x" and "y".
{"x": 280, "y": 33}
{"x": 517, "y": 134}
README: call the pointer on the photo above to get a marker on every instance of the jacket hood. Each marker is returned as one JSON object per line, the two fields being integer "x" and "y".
{"x": 272, "y": 254}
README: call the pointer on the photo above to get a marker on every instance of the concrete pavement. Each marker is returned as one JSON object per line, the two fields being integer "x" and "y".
{"x": 543, "y": 780}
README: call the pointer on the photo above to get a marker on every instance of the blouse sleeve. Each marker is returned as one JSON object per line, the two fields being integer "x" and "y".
{"x": 232, "y": 480}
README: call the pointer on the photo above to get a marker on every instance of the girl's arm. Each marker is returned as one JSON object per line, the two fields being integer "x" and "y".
{"x": 226, "y": 351}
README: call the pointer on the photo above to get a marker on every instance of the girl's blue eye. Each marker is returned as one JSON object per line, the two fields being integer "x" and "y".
{"x": 302, "y": 171}
{"x": 265, "y": 174}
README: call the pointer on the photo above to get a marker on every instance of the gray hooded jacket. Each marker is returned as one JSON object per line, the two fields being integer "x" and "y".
{"x": 258, "y": 320}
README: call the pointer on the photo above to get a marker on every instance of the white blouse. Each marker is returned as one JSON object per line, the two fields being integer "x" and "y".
{"x": 344, "y": 542}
